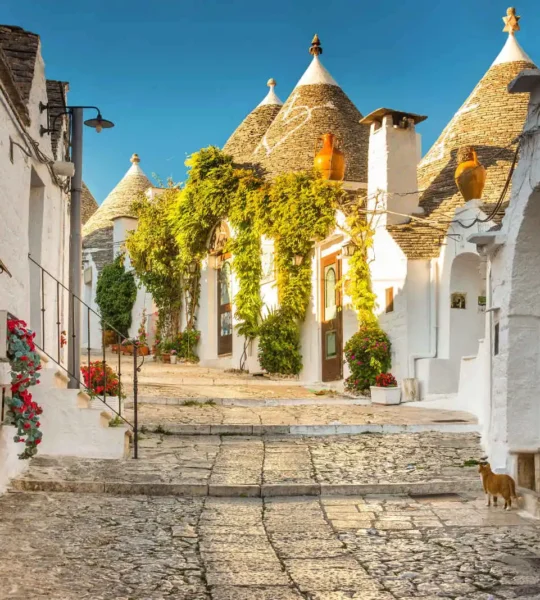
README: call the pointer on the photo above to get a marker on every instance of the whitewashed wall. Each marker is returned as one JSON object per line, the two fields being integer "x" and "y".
{"x": 34, "y": 218}
{"x": 514, "y": 407}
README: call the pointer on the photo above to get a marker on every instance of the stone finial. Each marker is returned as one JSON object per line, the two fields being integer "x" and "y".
{"x": 271, "y": 83}
{"x": 135, "y": 159}
{"x": 511, "y": 21}
{"x": 315, "y": 47}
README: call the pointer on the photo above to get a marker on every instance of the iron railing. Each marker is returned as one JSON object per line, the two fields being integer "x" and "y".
{"x": 51, "y": 339}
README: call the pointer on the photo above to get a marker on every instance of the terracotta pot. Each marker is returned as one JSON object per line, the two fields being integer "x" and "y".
{"x": 330, "y": 160}
{"x": 470, "y": 175}
{"x": 115, "y": 348}
{"x": 166, "y": 358}
{"x": 127, "y": 349}
{"x": 143, "y": 351}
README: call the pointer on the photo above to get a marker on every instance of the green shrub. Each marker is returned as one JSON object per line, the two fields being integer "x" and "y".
{"x": 367, "y": 354}
{"x": 279, "y": 344}
{"x": 116, "y": 293}
{"x": 185, "y": 345}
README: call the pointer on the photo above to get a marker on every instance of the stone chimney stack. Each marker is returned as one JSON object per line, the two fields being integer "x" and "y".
{"x": 394, "y": 153}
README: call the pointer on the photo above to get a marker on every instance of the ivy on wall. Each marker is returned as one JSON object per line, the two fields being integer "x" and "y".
{"x": 295, "y": 210}
{"x": 154, "y": 255}
{"x": 359, "y": 226}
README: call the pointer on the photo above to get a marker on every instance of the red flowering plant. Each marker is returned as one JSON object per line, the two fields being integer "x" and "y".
{"x": 25, "y": 364}
{"x": 100, "y": 380}
{"x": 385, "y": 380}
{"x": 367, "y": 354}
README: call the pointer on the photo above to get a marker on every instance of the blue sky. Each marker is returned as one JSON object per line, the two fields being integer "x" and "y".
{"x": 176, "y": 75}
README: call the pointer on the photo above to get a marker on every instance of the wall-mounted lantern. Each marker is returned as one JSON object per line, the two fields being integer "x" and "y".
{"x": 348, "y": 249}
{"x": 298, "y": 260}
{"x": 193, "y": 266}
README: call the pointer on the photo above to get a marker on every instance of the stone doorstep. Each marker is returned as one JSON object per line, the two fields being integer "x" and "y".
{"x": 316, "y": 430}
{"x": 428, "y": 488}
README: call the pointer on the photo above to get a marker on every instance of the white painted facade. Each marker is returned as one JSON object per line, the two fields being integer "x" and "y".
{"x": 512, "y": 410}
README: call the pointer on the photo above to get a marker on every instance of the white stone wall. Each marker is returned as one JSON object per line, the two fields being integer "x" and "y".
{"x": 514, "y": 408}
{"x": 34, "y": 218}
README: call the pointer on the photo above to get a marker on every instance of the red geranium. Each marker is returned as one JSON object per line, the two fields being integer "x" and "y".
{"x": 385, "y": 380}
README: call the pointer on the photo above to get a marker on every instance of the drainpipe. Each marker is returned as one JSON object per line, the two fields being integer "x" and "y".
{"x": 432, "y": 319}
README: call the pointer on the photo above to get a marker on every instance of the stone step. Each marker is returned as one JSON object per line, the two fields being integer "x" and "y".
{"x": 424, "y": 488}
{"x": 310, "y": 430}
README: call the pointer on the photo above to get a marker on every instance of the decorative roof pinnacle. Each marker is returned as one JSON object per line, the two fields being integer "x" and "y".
{"x": 315, "y": 48}
{"x": 511, "y": 21}
{"x": 271, "y": 83}
{"x": 135, "y": 159}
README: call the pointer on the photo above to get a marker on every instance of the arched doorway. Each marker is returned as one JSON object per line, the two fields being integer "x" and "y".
{"x": 467, "y": 311}
{"x": 516, "y": 364}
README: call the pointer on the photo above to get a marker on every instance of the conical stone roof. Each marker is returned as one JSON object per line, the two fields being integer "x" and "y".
{"x": 490, "y": 120}
{"x": 244, "y": 140}
{"x": 316, "y": 106}
{"x": 88, "y": 204}
{"x": 98, "y": 231}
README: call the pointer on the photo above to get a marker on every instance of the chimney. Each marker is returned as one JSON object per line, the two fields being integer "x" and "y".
{"x": 394, "y": 153}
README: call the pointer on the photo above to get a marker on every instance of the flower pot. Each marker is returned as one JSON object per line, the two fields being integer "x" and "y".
{"x": 173, "y": 359}
{"x": 385, "y": 395}
{"x": 166, "y": 358}
{"x": 143, "y": 351}
{"x": 115, "y": 348}
{"x": 112, "y": 402}
{"x": 127, "y": 349}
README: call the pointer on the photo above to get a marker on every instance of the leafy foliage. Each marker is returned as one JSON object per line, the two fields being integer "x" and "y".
{"x": 368, "y": 354}
{"x": 279, "y": 344}
{"x": 216, "y": 190}
{"x": 360, "y": 227}
{"x": 184, "y": 345}
{"x": 154, "y": 255}
{"x": 116, "y": 292}
{"x": 300, "y": 210}
{"x": 25, "y": 365}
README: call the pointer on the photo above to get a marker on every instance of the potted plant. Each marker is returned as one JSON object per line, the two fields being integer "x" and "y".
{"x": 385, "y": 390}
{"x": 102, "y": 383}
{"x": 165, "y": 348}
{"x": 127, "y": 346}
{"x": 173, "y": 356}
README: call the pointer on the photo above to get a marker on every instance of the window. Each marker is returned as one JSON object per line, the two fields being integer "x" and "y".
{"x": 496, "y": 340}
{"x": 389, "y": 300}
{"x": 330, "y": 306}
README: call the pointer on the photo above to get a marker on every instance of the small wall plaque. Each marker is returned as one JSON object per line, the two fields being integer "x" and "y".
{"x": 458, "y": 300}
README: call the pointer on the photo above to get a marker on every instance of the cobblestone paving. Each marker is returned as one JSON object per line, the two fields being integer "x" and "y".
{"x": 167, "y": 416}
{"x": 365, "y": 459}
{"x": 93, "y": 547}
{"x": 160, "y": 380}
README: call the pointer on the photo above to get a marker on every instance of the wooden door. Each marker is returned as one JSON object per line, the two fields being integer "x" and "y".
{"x": 224, "y": 304}
{"x": 331, "y": 319}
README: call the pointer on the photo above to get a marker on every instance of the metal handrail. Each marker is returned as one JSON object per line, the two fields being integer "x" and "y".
{"x": 104, "y": 325}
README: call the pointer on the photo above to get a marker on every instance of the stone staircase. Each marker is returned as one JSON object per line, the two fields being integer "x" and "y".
{"x": 70, "y": 426}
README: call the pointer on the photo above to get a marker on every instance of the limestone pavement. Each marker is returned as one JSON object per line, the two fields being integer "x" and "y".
{"x": 98, "y": 547}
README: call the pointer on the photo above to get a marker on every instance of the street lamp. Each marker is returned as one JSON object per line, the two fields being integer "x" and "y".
{"x": 75, "y": 251}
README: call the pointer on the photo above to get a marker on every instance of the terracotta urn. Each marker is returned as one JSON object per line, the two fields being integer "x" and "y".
{"x": 470, "y": 175}
{"x": 330, "y": 160}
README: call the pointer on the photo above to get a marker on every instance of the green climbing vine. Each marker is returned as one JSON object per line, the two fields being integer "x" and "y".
{"x": 155, "y": 257}
{"x": 360, "y": 227}
{"x": 295, "y": 210}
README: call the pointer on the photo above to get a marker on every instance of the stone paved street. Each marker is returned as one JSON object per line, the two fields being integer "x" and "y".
{"x": 99, "y": 547}
{"x": 169, "y": 416}
{"x": 230, "y": 460}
